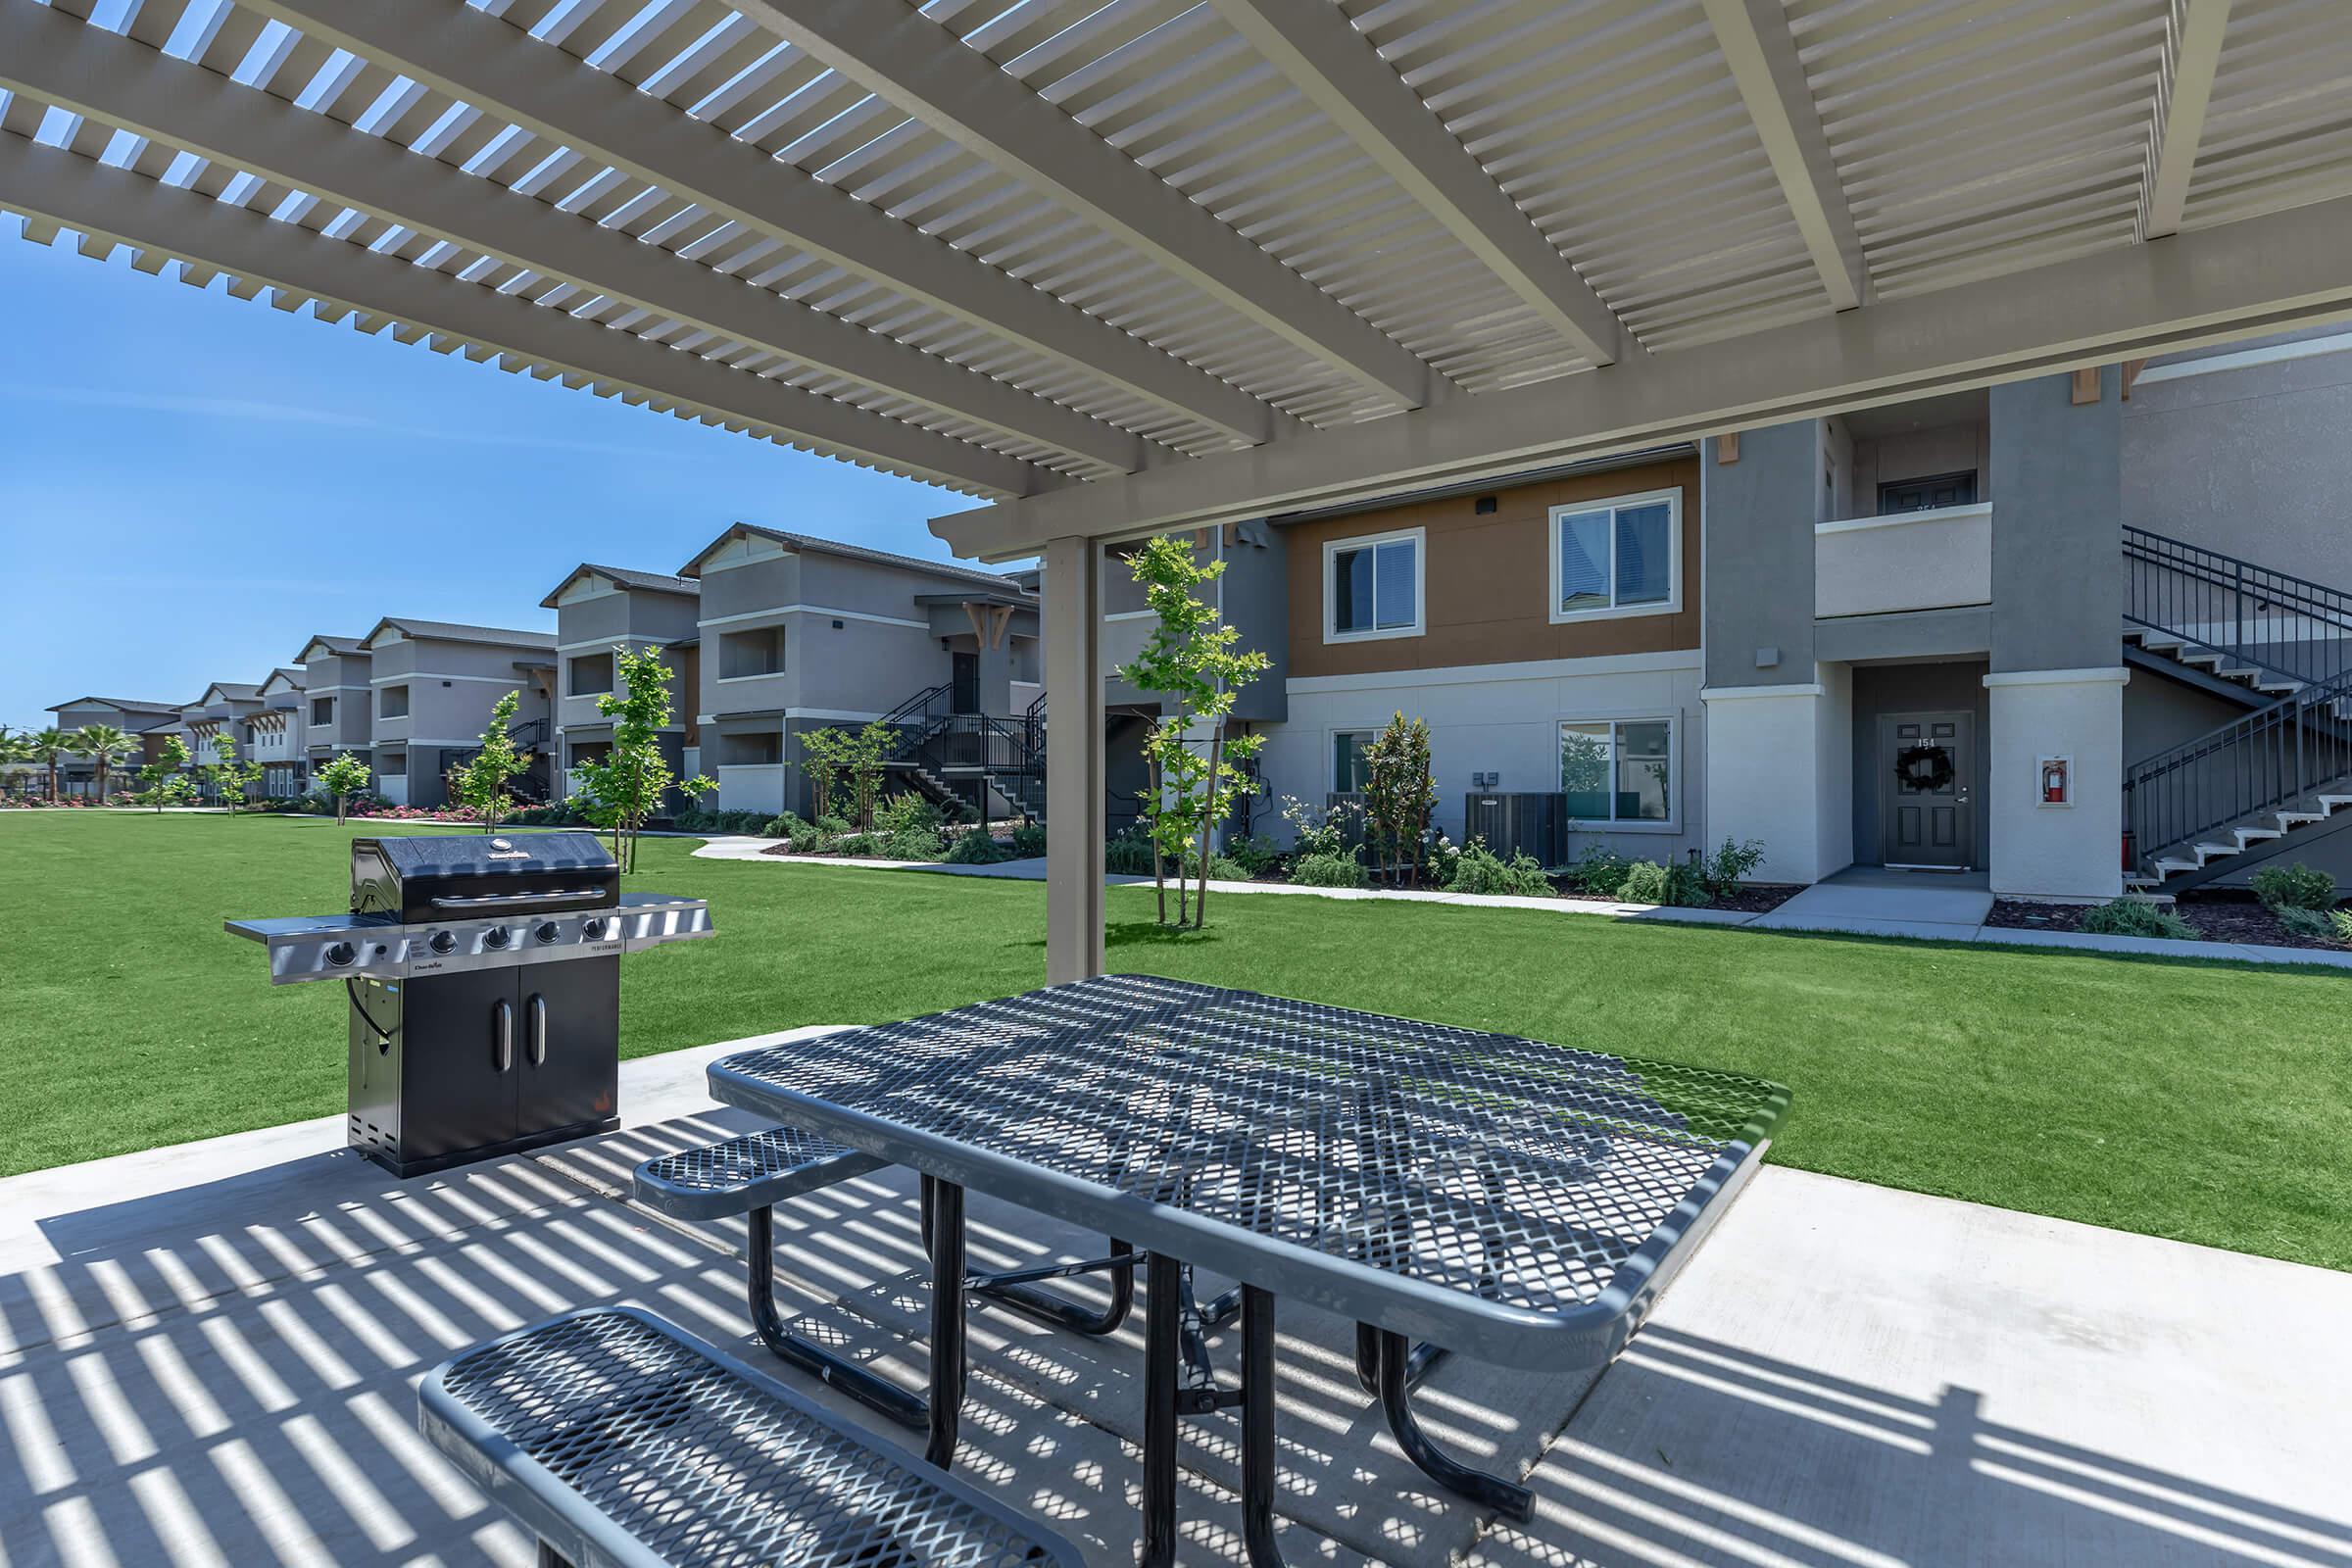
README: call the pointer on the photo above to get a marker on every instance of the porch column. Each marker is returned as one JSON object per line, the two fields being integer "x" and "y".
{"x": 1075, "y": 826}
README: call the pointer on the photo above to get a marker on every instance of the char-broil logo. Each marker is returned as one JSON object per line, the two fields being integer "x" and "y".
{"x": 502, "y": 850}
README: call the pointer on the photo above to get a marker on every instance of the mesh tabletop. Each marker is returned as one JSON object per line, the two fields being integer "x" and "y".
{"x": 1379, "y": 1166}
{"x": 683, "y": 1456}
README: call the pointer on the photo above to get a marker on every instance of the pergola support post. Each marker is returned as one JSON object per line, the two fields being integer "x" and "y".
{"x": 1076, "y": 806}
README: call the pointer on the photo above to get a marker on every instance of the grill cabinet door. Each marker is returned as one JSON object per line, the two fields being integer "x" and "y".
{"x": 456, "y": 1093}
{"x": 568, "y": 1048}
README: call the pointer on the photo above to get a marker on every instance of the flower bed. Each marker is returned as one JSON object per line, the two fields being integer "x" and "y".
{"x": 64, "y": 802}
{"x": 2216, "y": 915}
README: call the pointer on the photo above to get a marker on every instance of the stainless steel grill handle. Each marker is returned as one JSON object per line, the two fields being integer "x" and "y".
{"x": 538, "y": 1042}
{"x": 503, "y": 1013}
{"x": 513, "y": 901}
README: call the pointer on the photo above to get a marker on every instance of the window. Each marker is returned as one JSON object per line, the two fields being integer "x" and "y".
{"x": 1372, "y": 587}
{"x": 743, "y": 655}
{"x": 761, "y": 749}
{"x": 322, "y": 709}
{"x": 1347, "y": 771}
{"x": 1618, "y": 556}
{"x": 590, "y": 675}
{"x": 1618, "y": 769}
{"x": 392, "y": 703}
{"x": 1926, "y": 495}
{"x": 590, "y": 751}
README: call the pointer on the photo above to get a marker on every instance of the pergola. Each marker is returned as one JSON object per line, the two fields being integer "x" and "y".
{"x": 1124, "y": 265}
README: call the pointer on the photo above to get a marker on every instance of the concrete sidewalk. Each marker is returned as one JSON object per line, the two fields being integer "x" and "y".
{"x": 208, "y": 1356}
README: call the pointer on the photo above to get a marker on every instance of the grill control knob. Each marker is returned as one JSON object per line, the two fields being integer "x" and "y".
{"x": 592, "y": 928}
{"x": 441, "y": 941}
{"x": 496, "y": 937}
{"x": 340, "y": 954}
{"x": 548, "y": 931}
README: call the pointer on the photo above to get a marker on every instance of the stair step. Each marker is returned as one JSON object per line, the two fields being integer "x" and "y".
{"x": 2201, "y": 655}
{"x": 2278, "y": 688}
{"x": 2252, "y": 835}
{"x": 2206, "y": 852}
{"x": 2238, "y": 672}
{"x": 2288, "y": 821}
{"x": 2169, "y": 867}
{"x": 2335, "y": 802}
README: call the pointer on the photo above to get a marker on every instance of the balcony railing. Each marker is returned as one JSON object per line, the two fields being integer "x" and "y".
{"x": 1933, "y": 560}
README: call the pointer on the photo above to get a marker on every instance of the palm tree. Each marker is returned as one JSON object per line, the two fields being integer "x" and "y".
{"x": 51, "y": 747}
{"x": 16, "y": 751}
{"x": 104, "y": 745}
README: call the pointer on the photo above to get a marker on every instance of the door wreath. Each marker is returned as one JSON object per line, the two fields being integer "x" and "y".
{"x": 1924, "y": 769}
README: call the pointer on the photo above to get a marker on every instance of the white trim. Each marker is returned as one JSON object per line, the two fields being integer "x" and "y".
{"x": 1370, "y": 541}
{"x": 1903, "y": 520}
{"x": 1726, "y": 693}
{"x": 773, "y": 617}
{"x": 844, "y": 714}
{"x": 2115, "y": 675}
{"x": 412, "y": 742}
{"x": 1671, "y": 605}
{"x": 316, "y": 690}
{"x": 730, "y": 680}
{"x": 1670, "y": 660}
{"x": 1673, "y": 720}
{"x": 1144, "y": 615}
{"x": 2268, "y": 354}
{"x": 607, "y": 643}
{"x": 420, "y": 679}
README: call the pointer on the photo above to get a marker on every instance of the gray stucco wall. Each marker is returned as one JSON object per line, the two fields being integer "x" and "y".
{"x": 1760, "y": 513}
{"x": 2255, "y": 462}
{"x": 1256, "y": 602}
{"x": 1882, "y": 689}
{"x": 2057, "y": 518}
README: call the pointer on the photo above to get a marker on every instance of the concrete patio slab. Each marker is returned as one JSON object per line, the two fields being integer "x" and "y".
{"x": 1873, "y": 900}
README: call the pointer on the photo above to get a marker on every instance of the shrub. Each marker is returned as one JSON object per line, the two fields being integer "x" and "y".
{"x": 1256, "y": 854}
{"x": 787, "y": 826}
{"x": 1329, "y": 872}
{"x": 1723, "y": 871}
{"x": 2309, "y": 923}
{"x": 1599, "y": 871}
{"x": 1028, "y": 842}
{"x": 2134, "y": 917}
{"x": 695, "y": 819}
{"x": 855, "y": 844}
{"x": 905, "y": 814}
{"x": 2341, "y": 919}
{"x": 1128, "y": 853}
{"x": 973, "y": 847}
{"x": 1479, "y": 869}
{"x": 2295, "y": 886}
{"x": 1221, "y": 867}
{"x": 1316, "y": 831}
{"x": 922, "y": 843}
{"x": 1649, "y": 882}
{"x": 831, "y": 826}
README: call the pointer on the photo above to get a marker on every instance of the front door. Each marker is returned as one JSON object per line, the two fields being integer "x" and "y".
{"x": 963, "y": 690}
{"x": 1925, "y": 765}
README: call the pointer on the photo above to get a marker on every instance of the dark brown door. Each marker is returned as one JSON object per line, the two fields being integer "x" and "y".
{"x": 1927, "y": 765}
{"x": 964, "y": 689}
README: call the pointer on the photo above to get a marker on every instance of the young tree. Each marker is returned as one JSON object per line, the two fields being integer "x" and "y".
{"x": 104, "y": 745}
{"x": 1398, "y": 795}
{"x": 1191, "y": 659}
{"x": 823, "y": 762}
{"x": 847, "y": 758}
{"x": 343, "y": 777}
{"x": 51, "y": 747}
{"x": 227, "y": 775}
{"x": 625, "y": 788}
{"x": 482, "y": 782}
{"x": 164, "y": 777}
{"x": 16, "y": 751}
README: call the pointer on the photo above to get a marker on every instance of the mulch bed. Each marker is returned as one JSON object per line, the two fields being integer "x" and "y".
{"x": 2217, "y": 917}
{"x": 1750, "y": 898}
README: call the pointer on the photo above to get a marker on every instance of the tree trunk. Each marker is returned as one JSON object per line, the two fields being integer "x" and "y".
{"x": 1209, "y": 823}
{"x": 342, "y": 803}
{"x": 1159, "y": 880}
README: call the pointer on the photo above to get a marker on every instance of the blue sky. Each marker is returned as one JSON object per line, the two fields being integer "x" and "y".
{"x": 190, "y": 485}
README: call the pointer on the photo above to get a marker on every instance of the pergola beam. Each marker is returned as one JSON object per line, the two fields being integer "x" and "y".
{"x": 113, "y": 79}
{"x": 501, "y": 71}
{"x": 2261, "y": 274}
{"x": 1312, "y": 43}
{"x": 52, "y": 187}
{"x": 894, "y": 51}
{"x": 2195, "y": 54}
{"x": 1754, "y": 37}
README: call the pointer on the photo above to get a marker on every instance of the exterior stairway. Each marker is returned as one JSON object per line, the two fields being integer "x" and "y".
{"x": 2262, "y": 785}
{"x": 977, "y": 762}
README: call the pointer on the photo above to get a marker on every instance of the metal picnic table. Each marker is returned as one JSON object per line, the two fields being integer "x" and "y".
{"x": 1510, "y": 1200}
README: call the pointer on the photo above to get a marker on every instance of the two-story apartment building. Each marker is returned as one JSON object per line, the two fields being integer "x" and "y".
{"x": 603, "y": 609}
{"x": 801, "y": 633}
{"x": 220, "y": 712}
{"x": 272, "y": 736}
{"x": 434, "y": 684}
{"x": 138, "y": 717}
{"x": 338, "y": 711}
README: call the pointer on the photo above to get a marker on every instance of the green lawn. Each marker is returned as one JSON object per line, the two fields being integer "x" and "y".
{"x": 2201, "y": 1100}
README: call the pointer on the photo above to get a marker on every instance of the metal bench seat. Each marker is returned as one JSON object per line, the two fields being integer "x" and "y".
{"x": 752, "y": 1172}
{"x": 618, "y": 1438}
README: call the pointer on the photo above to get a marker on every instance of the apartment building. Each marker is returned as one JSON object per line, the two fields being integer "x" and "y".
{"x": 272, "y": 737}
{"x": 800, "y": 634}
{"x": 603, "y": 609}
{"x": 338, "y": 713}
{"x": 433, "y": 684}
{"x": 2065, "y": 633}
{"x": 145, "y": 720}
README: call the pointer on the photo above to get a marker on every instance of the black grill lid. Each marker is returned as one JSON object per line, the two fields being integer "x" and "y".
{"x": 439, "y": 856}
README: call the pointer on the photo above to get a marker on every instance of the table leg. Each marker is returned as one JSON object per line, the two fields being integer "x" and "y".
{"x": 875, "y": 1392}
{"x": 1486, "y": 1491}
{"x": 944, "y": 1201}
{"x": 1163, "y": 1279}
{"x": 1016, "y": 1289}
{"x": 1258, "y": 1446}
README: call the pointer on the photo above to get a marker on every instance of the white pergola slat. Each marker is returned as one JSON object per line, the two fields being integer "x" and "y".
{"x": 2195, "y": 54}
{"x": 116, "y": 206}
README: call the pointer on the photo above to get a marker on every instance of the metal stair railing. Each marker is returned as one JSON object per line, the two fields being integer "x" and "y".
{"x": 2270, "y": 620}
{"x": 2275, "y": 759}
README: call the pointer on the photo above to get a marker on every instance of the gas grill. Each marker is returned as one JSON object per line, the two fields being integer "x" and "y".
{"x": 483, "y": 975}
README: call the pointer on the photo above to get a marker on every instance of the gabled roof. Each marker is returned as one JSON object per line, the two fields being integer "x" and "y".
{"x": 325, "y": 646}
{"x": 122, "y": 704}
{"x": 625, "y": 578}
{"x": 450, "y": 631}
{"x": 283, "y": 678}
{"x": 229, "y": 691}
{"x": 834, "y": 547}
